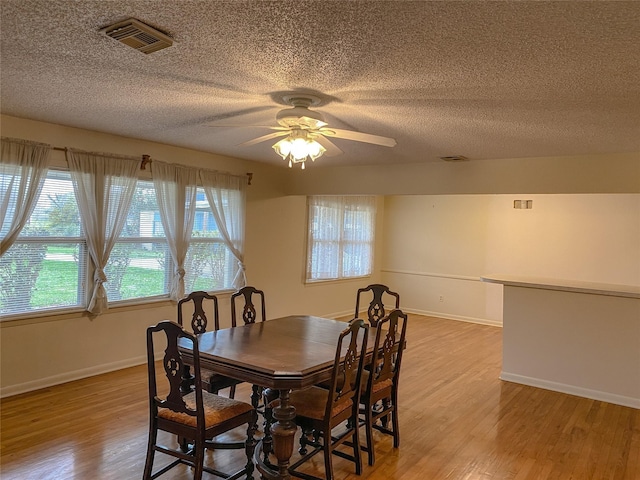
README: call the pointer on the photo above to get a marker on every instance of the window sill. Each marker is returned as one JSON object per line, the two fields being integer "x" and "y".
{"x": 46, "y": 316}
{"x": 311, "y": 283}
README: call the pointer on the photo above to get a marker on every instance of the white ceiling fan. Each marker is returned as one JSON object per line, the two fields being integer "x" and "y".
{"x": 306, "y": 132}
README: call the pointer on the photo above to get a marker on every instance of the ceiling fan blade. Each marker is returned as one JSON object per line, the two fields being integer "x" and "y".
{"x": 331, "y": 150}
{"x": 358, "y": 136}
{"x": 237, "y": 113}
{"x": 228, "y": 125}
{"x": 264, "y": 138}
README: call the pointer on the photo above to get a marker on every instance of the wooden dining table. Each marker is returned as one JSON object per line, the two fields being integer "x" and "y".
{"x": 282, "y": 354}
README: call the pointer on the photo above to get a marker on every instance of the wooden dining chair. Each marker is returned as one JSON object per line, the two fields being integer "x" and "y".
{"x": 250, "y": 296}
{"x": 320, "y": 411}
{"x": 212, "y": 382}
{"x": 379, "y": 388}
{"x": 378, "y": 294}
{"x": 197, "y": 417}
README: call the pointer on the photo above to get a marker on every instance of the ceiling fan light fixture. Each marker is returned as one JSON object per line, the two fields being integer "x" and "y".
{"x": 298, "y": 147}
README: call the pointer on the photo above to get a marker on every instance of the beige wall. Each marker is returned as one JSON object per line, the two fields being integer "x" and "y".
{"x": 276, "y": 233}
{"x": 439, "y": 230}
{"x": 439, "y": 245}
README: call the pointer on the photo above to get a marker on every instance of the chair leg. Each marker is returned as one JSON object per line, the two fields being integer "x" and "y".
{"x": 268, "y": 396}
{"x": 148, "y": 464}
{"x": 199, "y": 460}
{"x": 357, "y": 458}
{"x": 232, "y": 391}
{"x": 395, "y": 421}
{"x": 183, "y": 442}
{"x": 304, "y": 440}
{"x": 328, "y": 448}
{"x": 368, "y": 426}
{"x": 250, "y": 445}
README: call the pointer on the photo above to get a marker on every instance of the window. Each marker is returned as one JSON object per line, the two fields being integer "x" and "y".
{"x": 340, "y": 238}
{"x": 46, "y": 266}
{"x": 138, "y": 263}
{"x": 209, "y": 265}
{"x": 140, "y": 266}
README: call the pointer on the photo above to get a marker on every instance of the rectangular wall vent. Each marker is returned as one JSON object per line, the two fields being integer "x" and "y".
{"x": 138, "y": 35}
{"x": 523, "y": 204}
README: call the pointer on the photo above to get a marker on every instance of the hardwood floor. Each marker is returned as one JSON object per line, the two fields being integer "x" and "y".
{"x": 458, "y": 421}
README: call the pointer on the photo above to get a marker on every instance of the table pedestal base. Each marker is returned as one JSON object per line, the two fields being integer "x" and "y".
{"x": 279, "y": 439}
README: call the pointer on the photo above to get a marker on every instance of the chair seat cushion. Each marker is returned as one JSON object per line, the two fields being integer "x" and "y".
{"x": 217, "y": 409}
{"x": 377, "y": 386}
{"x": 312, "y": 403}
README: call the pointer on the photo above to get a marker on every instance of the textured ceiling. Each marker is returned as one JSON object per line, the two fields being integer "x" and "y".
{"x": 479, "y": 79}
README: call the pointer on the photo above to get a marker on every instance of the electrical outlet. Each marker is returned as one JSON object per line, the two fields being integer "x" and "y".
{"x": 442, "y": 298}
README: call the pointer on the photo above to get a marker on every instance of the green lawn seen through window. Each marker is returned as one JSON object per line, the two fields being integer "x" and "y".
{"x": 57, "y": 284}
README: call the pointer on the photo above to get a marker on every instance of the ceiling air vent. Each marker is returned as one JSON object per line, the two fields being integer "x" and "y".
{"x": 454, "y": 158}
{"x": 137, "y": 35}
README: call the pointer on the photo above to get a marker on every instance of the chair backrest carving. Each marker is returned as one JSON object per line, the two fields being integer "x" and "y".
{"x": 388, "y": 349}
{"x": 249, "y": 311}
{"x": 173, "y": 365}
{"x": 199, "y": 320}
{"x": 376, "y": 310}
{"x": 348, "y": 366}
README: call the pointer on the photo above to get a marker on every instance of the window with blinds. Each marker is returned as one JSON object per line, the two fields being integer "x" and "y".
{"x": 140, "y": 264}
{"x": 46, "y": 266}
{"x": 341, "y": 234}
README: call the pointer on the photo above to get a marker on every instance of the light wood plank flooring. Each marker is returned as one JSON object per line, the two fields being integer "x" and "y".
{"x": 458, "y": 421}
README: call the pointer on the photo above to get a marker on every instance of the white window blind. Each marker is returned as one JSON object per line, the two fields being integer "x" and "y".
{"x": 46, "y": 266}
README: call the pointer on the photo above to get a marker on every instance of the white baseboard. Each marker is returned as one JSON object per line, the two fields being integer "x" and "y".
{"x": 460, "y": 318}
{"x": 70, "y": 376}
{"x": 572, "y": 390}
{"x": 348, "y": 314}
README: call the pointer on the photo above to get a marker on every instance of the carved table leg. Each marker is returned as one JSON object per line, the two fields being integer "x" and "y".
{"x": 283, "y": 433}
{"x": 385, "y": 419}
{"x": 255, "y": 395}
{"x": 187, "y": 380}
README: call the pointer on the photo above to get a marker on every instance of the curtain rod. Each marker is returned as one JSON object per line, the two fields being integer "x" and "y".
{"x": 147, "y": 159}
